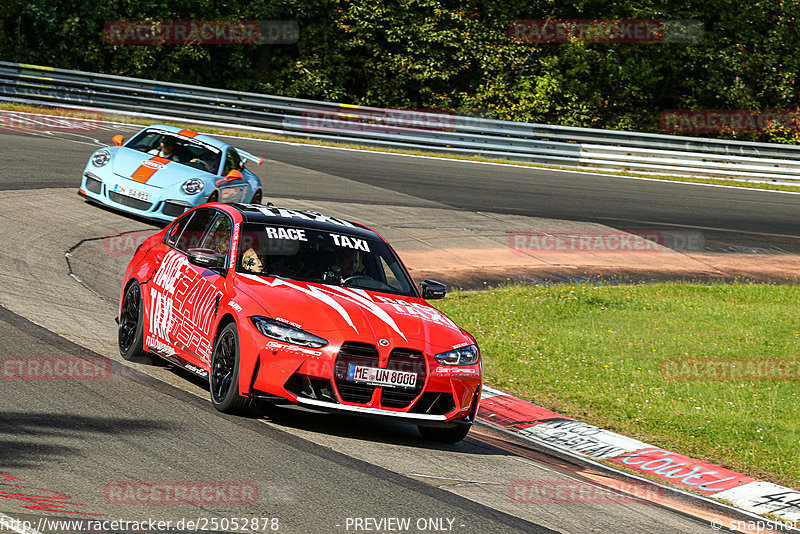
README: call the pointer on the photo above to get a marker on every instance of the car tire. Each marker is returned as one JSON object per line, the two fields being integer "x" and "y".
{"x": 445, "y": 435}
{"x": 224, "y": 375}
{"x": 257, "y": 197}
{"x": 130, "y": 332}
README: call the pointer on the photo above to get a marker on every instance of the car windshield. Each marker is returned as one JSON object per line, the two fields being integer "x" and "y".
{"x": 332, "y": 258}
{"x": 177, "y": 147}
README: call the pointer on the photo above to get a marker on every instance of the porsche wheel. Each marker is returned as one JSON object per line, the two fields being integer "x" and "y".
{"x": 257, "y": 197}
{"x": 130, "y": 338}
{"x": 444, "y": 435}
{"x": 224, "y": 377}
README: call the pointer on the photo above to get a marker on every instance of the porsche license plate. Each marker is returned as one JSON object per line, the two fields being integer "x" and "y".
{"x": 381, "y": 377}
{"x": 133, "y": 193}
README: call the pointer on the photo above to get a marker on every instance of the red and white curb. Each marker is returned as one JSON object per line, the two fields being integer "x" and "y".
{"x": 539, "y": 424}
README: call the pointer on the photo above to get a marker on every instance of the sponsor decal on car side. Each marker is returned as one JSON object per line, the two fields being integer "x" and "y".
{"x": 305, "y": 351}
{"x": 181, "y": 307}
{"x": 451, "y": 371}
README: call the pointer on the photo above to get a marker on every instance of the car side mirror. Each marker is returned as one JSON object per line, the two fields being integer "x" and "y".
{"x": 233, "y": 175}
{"x": 118, "y": 139}
{"x": 431, "y": 289}
{"x": 203, "y": 257}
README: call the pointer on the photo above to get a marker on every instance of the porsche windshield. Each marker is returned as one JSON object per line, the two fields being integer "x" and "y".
{"x": 178, "y": 148}
{"x": 322, "y": 257}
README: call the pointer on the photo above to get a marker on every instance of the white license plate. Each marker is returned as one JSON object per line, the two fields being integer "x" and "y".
{"x": 381, "y": 377}
{"x": 133, "y": 193}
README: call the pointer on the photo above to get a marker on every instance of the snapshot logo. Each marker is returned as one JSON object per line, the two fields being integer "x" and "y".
{"x": 730, "y": 370}
{"x": 698, "y": 121}
{"x": 577, "y": 492}
{"x": 33, "y": 122}
{"x": 603, "y": 241}
{"x": 180, "y": 493}
{"x": 206, "y": 32}
{"x": 559, "y": 31}
{"x": 54, "y": 368}
{"x": 357, "y": 119}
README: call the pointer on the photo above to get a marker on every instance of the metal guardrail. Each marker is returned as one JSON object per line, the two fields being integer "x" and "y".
{"x": 581, "y": 148}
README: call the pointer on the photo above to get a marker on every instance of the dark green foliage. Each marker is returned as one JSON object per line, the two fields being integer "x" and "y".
{"x": 444, "y": 54}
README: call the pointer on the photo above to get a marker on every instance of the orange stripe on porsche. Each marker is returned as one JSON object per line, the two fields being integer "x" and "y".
{"x": 145, "y": 171}
{"x": 187, "y": 133}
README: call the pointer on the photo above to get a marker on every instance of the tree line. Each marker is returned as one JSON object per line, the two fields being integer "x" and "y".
{"x": 462, "y": 56}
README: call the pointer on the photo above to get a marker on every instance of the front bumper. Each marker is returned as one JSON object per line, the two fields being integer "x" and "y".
{"x": 315, "y": 379}
{"x": 98, "y": 186}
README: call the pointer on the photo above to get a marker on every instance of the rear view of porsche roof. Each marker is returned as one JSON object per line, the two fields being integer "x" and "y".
{"x": 269, "y": 214}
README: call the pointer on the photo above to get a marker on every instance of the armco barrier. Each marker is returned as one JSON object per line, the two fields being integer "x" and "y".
{"x": 583, "y": 148}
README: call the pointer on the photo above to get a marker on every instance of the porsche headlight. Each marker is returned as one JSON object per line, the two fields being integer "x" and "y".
{"x": 464, "y": 356}
{"x": 100, "y": 158}
{"x": 284, "y": 332}
{"x": 193, "y": 186}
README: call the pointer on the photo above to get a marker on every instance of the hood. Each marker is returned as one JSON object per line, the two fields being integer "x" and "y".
{"x": 125, "y": 162}
{"x": 342, "y": 314}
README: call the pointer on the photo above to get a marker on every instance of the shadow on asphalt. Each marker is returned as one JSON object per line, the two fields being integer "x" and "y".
{"x": 22, "y": 452}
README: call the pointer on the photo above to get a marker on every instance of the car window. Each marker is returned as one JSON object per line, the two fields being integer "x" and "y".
{"x": 187, "y": 151}
{"x": 218, "y": 237}
{"x": 176, "y": 230}
{"x": 331, "y": 258}
{"x": 194, "y": 235}
{"x": 232, "y": 161}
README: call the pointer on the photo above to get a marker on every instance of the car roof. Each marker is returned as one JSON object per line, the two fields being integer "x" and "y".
{"x": 271, "y": 214}
{"x": 213, "y": 141}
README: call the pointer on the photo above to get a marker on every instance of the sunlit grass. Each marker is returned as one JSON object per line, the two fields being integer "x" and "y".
{"x": 594, "y": 352}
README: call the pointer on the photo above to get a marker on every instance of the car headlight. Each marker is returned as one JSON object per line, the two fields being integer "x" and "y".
{"x": 464, "y": 356}
{"x": 100, "y": 158}
{"x": 284, "y": 332}
{"x": 193, "y": 186}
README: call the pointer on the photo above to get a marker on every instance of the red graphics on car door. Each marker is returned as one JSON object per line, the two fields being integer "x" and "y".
{"x": 185, "y": 291}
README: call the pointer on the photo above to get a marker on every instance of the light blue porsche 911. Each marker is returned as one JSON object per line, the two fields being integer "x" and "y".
{"x": 163, "y": 171}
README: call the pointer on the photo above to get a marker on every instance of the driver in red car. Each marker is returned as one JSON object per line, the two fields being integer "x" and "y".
{"x": 349, "y": 262}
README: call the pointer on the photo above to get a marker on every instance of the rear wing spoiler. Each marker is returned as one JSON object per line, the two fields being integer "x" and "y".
{"x": 249, "y": 156}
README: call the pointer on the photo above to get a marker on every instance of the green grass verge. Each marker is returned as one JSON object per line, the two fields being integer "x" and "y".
{"x": 309, "y": 141}
{"x": 594, "y": 352}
